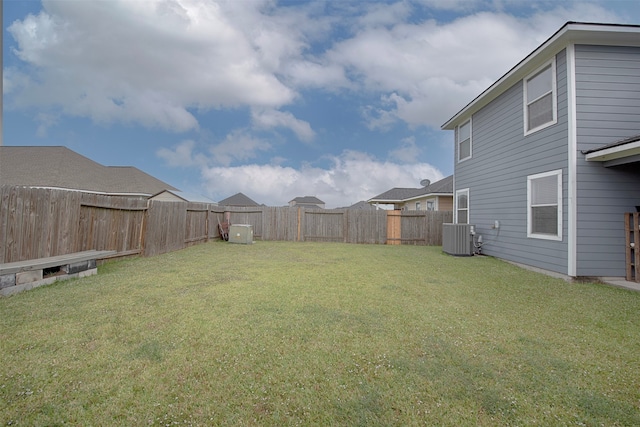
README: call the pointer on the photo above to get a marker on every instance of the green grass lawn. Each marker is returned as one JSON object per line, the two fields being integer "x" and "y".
{"x": 282, "y": 333}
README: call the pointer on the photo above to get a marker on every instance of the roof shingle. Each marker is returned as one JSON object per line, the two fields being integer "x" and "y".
{"x": 238, "y": 199}
{"x": 60, "y": 167}
{"x": 396, "y": 195}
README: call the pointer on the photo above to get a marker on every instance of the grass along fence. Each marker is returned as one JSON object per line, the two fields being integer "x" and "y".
{"x": 38, "y": 222}
{"x": 282, "y": 333}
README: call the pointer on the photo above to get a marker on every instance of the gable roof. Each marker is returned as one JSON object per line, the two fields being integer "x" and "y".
{"x": 396, "y": 194}
{"x": 570, "y": 32}
{"x": 444, "y": 187}
{"x": 238, "y": 199}
{"x": 361, "y": 205}
{"x": 177, "y": 196}
{"x": 307, "y": 200}
{"x": 60, "y": 167}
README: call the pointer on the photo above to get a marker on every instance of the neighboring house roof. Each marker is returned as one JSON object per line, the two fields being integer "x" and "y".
{"x": 60, "y": 167}
{"x": 307, "y": 200}
{"x": 180, "y": 196}
{"x": 238, "y": 199}
{"x": 571, "y": 32}
{"x": 362, "y": 205}
{"x": 444, "y": 187}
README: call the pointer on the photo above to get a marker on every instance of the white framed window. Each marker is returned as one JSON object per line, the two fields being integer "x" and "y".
{"x": 431, "y": 205}
{"x": 464, "y": 141}
{"x": 544, "y": 205}
{"x": 540, "y": 101}
{"x": 417, "y": 206}
{"x": 462, "y": 206}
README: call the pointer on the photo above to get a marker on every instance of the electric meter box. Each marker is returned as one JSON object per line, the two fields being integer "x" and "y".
{"x": 241, "y": 233}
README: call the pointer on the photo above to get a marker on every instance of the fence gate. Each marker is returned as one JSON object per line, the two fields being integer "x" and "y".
{"x": 394, "y": 227}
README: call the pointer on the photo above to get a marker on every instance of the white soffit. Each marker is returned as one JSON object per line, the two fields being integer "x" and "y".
{"x": 613, "y": 153}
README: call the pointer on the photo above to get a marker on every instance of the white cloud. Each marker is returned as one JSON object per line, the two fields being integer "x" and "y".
{"x": 45, "y": 121}
{"x": 13, "y": 80}
{"x": 429, "y": 70}
{"x": 407, "y": 152}
{"x": 381, "y": 14}
{"x": 170, "y": 60}
{"x": 455, "y": 5}
{"x": 353, "y": 176}
{"x": 165, "y": 59}
{"x": 238, "y": 146}
{"x": 269, "y": 118}
{"x": 182, "y": 155}
{"x": 313, "y": 73}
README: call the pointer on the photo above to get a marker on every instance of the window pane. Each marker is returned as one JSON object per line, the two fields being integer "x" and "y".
{"x": 539, "y": 84}
{"x": 544, "y": 220}
{"x": 540, "y": 112}
{"x": 464, "y": 150}
{"x": 462, "y": 216}
{"x": 544, "y": 191}
{"x": 464, "y": 131}
{"x": 463, "y": 203}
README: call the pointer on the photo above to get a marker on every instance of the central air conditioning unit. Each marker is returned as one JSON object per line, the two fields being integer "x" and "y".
{"x": 241, "y": 233}
{"x": 457, "y": 239}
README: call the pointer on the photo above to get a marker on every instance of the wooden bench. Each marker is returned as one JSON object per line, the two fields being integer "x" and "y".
{"x": 23, "y": 275}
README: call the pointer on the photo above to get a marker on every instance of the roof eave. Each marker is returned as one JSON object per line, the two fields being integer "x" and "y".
{"x": 617, "y": 152}
{"x": 82, "y": 190}
{"x": 384, "y": 201}
{"x": 428, "y": 195}
{"x": 408, "y": 199}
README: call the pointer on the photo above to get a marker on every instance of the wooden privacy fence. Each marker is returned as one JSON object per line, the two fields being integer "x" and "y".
{"x": 343, "y": 225}
{"x": 38, "y": 223}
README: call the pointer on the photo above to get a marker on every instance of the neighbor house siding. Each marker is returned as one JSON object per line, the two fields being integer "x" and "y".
{"x": 445, "y": 203}
{"x": 607, "y": 110}
{"x": 496, "y": 175}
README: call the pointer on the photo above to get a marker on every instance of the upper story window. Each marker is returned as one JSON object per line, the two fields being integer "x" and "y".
{"x": 540, "y": 105}
{"x": 464, "y": 141}
{"x": 544, "y": 200}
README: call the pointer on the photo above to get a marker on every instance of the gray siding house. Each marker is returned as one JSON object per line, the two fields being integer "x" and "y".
{"x": 547, "y": 159}
{"x": 433, "y": 196}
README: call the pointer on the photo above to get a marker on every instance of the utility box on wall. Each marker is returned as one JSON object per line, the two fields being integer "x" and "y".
{"x": 241, "y": 233}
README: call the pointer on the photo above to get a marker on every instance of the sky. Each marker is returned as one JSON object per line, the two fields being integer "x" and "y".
{"x": 337, "y": 99}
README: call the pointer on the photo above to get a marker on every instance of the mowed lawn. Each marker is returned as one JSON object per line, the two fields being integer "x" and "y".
{"x": 280, "y": 333}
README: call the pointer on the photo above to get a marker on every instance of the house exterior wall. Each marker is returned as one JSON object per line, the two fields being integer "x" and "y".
{"x": 496, "y": 175}
{"x": 607, "y": 110}
{"x": 411, "y": 205}
{"x": 443, "y": 203}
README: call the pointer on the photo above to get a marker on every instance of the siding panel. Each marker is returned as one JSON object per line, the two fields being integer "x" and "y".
{"x": 497, "y": 173}
{"x": 608, "y": 109}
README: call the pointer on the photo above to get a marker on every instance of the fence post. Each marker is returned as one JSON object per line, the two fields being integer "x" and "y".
{"x": 345, "y": 226}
